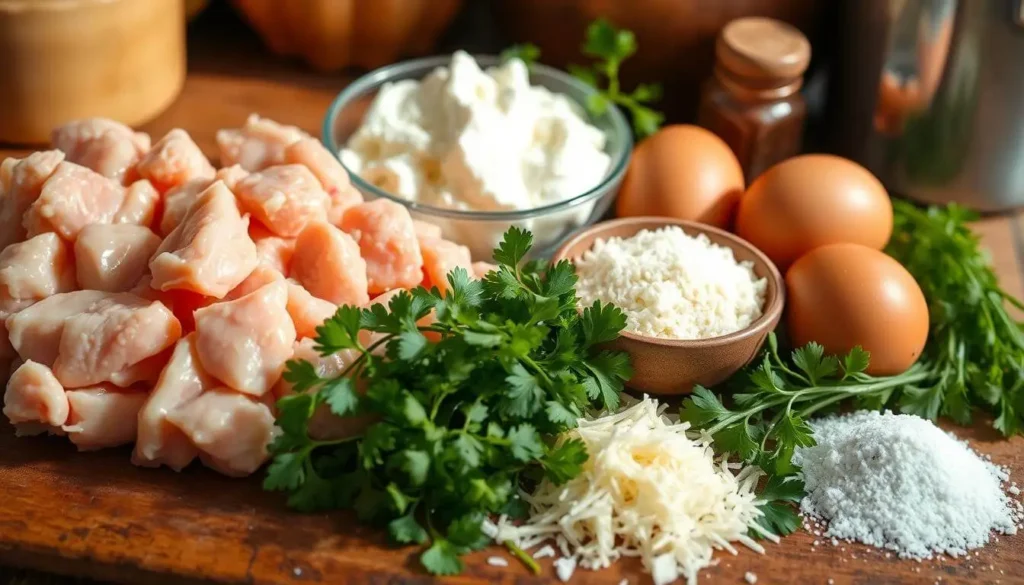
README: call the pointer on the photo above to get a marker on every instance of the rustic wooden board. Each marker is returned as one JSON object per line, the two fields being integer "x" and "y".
{"x": 97, "y": 516}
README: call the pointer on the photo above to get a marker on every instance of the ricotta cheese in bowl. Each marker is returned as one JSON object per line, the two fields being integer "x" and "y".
{"x": 476, "y": 145}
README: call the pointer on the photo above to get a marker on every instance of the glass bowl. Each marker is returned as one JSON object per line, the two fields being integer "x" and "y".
{"x": 481, "y": 231}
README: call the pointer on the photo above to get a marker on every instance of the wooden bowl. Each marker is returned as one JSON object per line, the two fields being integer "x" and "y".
{"x": 66, "y": 59}
{"x": 674, "y": 366}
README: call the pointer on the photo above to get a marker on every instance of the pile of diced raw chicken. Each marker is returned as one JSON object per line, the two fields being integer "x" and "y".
{"x": 147, "y": 297}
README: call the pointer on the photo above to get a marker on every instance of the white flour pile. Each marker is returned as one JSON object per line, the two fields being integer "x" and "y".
{"x": 672, "y": 285}
{"x": 901, "y": 483}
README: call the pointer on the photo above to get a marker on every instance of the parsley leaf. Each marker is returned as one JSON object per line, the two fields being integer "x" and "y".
{"x": 441, "y": 559}
{"x": 340, "y": 395}
{"x": 406, "y": 529}
{"x": 525, "y": 442}
{"x": 602, "y": 323}
{"x": 340, "y": 332}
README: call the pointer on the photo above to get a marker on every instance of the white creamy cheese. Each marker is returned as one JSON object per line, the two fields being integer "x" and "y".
{"x": 472, "y": 139}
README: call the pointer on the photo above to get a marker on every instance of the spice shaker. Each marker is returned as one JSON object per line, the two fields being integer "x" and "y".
{"x": 753, "y": 100}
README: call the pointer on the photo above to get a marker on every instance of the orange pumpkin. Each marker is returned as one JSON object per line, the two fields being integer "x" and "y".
{"x": 333, "y": 34}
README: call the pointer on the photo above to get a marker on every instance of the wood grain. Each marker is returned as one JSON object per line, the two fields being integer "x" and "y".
{"x": 95, "y": 515}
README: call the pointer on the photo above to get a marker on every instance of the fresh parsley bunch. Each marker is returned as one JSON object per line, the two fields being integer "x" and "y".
{"x": 609, "y": 47}
{"x": 975, "y": 348}
{"x": 465, "y": 408}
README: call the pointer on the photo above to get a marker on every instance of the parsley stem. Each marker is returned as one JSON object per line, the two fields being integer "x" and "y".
{"x": 523, "y": 557}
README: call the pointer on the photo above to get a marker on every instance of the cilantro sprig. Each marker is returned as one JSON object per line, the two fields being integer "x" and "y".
{"x": 464, "y": 409}
{"x": 610, "y": 47}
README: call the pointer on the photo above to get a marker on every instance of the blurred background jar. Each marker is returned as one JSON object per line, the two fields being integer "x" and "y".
{"x": 676, "y": 38}
{"x": 67, "y": 59}
{"x": 330, "y": 35}
{"x": 753, "y": 100}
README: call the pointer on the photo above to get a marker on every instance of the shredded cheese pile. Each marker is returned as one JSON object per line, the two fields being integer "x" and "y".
{"x": 648, "y": 490}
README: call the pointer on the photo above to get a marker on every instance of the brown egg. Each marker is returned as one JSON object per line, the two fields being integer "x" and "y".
{"x": 810, "y": 201}
{"x": 845, "y": 295}
{"x": 684, "y": 172}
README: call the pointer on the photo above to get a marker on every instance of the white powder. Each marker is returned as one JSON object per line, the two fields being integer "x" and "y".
{"x": 901, "y": 483}
{"x": 672, "y": 285}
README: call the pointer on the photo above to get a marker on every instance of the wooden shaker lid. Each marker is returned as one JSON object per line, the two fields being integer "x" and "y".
{"x": 762, "y": 51}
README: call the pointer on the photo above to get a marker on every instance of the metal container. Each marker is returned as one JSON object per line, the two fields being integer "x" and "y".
{"x": 929, "y": 95}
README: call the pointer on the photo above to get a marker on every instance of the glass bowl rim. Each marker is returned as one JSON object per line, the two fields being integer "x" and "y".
{"x": 386, "y": 73}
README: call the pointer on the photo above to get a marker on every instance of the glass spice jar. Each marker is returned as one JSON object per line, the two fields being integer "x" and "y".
{"x": 753, "y": 100}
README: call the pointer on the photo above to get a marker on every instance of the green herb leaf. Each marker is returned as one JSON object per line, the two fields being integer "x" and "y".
{"x": 526, "y": 52}
{"x": 441, "y": 559}
{"x": 601, "y": 323}
{"x": 285, "y": 472}
{"x": 565, "y": 461}
{"x": 340, "y": 332}
{"x": 340, "y": 395}
{"x": 525, "y": 442}
{"x": 407, "y": 530}
{"x": 466, "y": 533}
{"x": 513, "y": 248}
{"x": 812, "y": 361}
{"x": 856, "y": 361}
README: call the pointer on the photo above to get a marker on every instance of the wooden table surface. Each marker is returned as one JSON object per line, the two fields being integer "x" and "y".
{"x": 95, "y": 515}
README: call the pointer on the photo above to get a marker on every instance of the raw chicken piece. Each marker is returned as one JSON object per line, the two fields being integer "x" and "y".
{"x": 480, "y": 269}
{"x": 271, "y": 250}
{"x": 310, "y": 153}
{"x": 441, "y": 257}
{"x": 175, "y": 160}
{"x": 231, "y": 175}
{"x": 231, "y": 430}
{"x": 284, "y": 198}
{"x": 35, "y": 332}
{"x": 34, "y": 395}
{"x": 327, "y": 263}
{"x": 424, "y": 229}
{"x": 72, "y": 198}
{"x": 144, "y": 373}
{"x": 107, "y": 341}
{"x": 140, "y": 204}
{"x": 110, "y": 148}
{"x": 257, "y": 145}
{"x": 387, "y": 240}
{"x": 182, "y": 303}
{"x": 177, "y": 201}
{"x": 182, "y": 380}
{"x": 307, "y": 312}
{"x": 325, "y": 425}
{"x": 259, "y": 278}
{"x": 35, "y": 269}
{"x": 210, "y": 252}
{"x": 276, "y": 253}
{"x": 20, "y": 184}
{"x": 102, "y": 416}
{"x": 113, "y": 258}
{"x": 9, "y": 307}
{"x": 244, "y": 343}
